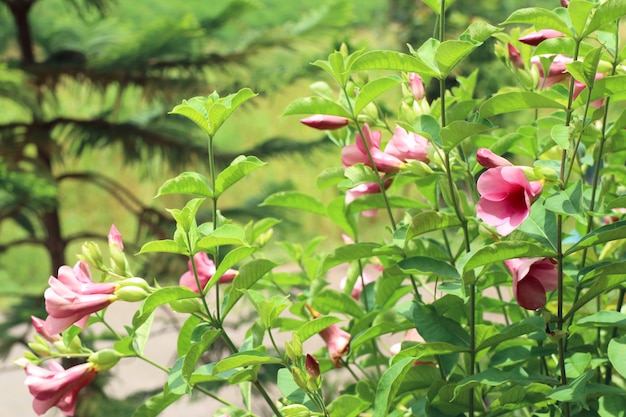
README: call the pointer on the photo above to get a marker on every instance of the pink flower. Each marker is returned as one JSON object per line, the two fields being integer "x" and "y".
{"x": 337, "y": 342}
{"x": 579, "y": 87}
{"x": 506, "y": 197}
{"x": 57, "y": 387}
{"x": 407, "y": 145}
{"x": 535, "y": 38}
{"x": 115, "y": 238}
{"x": 205, "y": 268}
{"x": 358, "y": 285}
{"x": 532, "y": 278}
{"x": 515, "y": 57}
{"x": 357, "y": 153}
{"x": 556, "y": 72}
{"x": 417, "y": 86}
{"x": 489, "y": 159}
{"x": 312, "y": 366}
{"x": 40, "y": 328}
{"x": 325, "y": 122}
{"x": 73, "y": 296}
{"x": 365, "y": 189}
{"x": 565, "y": 3}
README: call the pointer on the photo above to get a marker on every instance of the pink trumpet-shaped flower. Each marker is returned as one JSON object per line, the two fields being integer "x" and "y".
{"x": 361, "y": 281}
{"x": 365, "y": 189}
{"x": 506, "y": 197}
{"x": 205, "y": 268}
{"x": 488, "y": 159}
{"x": 556, "y": 72}
{"x": 73, "y": 296}
{"x": 325, "y": 122}
{"x": 57, "y": 387}
{"x": 407, "y": 145}
{"x": 337, "y": 342}
{"x": 532, "y": 278}
{"x": 535, "y": 38}
{"x": 417, "y": 86}
{"x": 515, "y": 57}
{"x": 357, "y": 153}
{"x": 115, "y": 238}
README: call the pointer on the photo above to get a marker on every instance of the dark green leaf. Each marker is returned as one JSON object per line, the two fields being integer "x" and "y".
{"x": 429, "y": 221}
{"x": 607, "y": 233}
{"x": 388, "y": 386}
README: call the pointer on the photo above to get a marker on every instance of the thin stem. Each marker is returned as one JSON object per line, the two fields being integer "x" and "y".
{"x": 153, "y": 363}
{"x": 214, "y": 218}
{"x": 221, "y": 400}
{"x": 199, "y": 285}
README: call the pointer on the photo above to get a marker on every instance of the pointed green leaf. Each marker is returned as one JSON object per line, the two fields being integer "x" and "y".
{"x": 515, "y": 101}
{"x": 513, "y": 331}
{"x": 617, "y": 354}
{"x": 429, "y": 221}
{"x": 539, "y": 17}
{"x": 236, "y": 171}
{"x": 379, "y": 329}
{"x": 377, "y": 202}
{"x": 184, "y": 335}
{"x": 425, "y": 266}
{"x": 232, "y": 257}
{"x": 349, "y": 253}
{"x": 450, "y": 53}
{"x": 158, "y": 298}
{"x": 166, "y": 246}
{"x": 247, "y": 358}
{"x": 315, "y": 105}
{"x": 501, "y": 251}
{"x": 560, "y": 136}
{"x": 187, "y": 183}
{"x": 295, "y": 200}
{"x": 613, "y": 86}
{"x": 392, "y": 61}
{"x": 205, "y": 337}
{"x": 606, "y": 13}
{"x": 154, "y": 405}
{"x": 336, "y": 211}
{"x": 601, "y": 319}
{"x": 227, "y": 234}
{"x": 220, "y": 111}
{"x": 434, "y": 327}
{"x": 388, "y": 386}
{"x": 459, "y": 130}
{"x": 579, "y": 11}
{"x": 373, "y": 89}
{"x": 574, "y": 391}
{"x": 330, "y": 300}
{"x": 248, "y": 275}
{"x": 480, "y": 31}
{"x": 194, "y": 110}
{"x": 359, "y": 174}
{"x": 607, "y": 233}
{"x": 568, "y": 202}
{"x": 313, "y": 327}
{"x": 541, "y": 225}
{"x": 605, "y": 278}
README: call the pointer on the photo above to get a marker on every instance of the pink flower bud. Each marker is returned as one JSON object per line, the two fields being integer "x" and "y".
{"x": 535, "y": 38}
{"x": 115, "y": 238}
{"x": 565, "y": 3}
{"x": 515, "y": 57}
{"x": 489, "y": 159}
{"x": 205, "y": 268}
{"x": 325, "y": 122}
{"x": 417, "y": 86}
{"x": 312, "y": 366}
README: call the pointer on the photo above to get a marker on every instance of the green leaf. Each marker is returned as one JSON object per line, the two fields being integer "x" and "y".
{"x": 539, "y": 17}
{"x": 330, "y": 177}
{"x": 541, "y": 226}
{"x": 516, "y": 100}
{"x": 347, "y": 406}
{"x": 295, "y": 200}
{"x": 425, "y": 266}
{"x": 329, "y": 300}
{"x": 480, "y": 31}
{"x": 459, "y": 130}
{"x": 429, "y": 349}
{"x": 617, "y": 354}
{"x": 606, "y": 13}
{"x": 604, "y": 278}
{"x": 187, "y": 183}
{"x": 450, "y": 53}
{"x": 359, "y": 174}
{"x": 158, "y": 298}
{"x": 377, "y": 330}
{"x": 248, "y": 275}
{"x": 619, "y": 202}
{"x": 233, "y": 257}
{"x": 388, "y": 386}
{"x": 315, "y": 105}
{"x": 429, "y": 221}
{"x": 574, "y": 391}
{"x": 373, "y": 89}
{"x": 236, "y": 171}
{"x": 377, "y": 202}
{"x": 291, "y": 391}
{"x": 579, "y": 11}
{"x": 568, "y": 202}
{"x": 226, "y": 234}
{"x": 141, "y": 335}
{"x": 221, "y": 110}
{"x": 607, "y": 233}
{"x": 156, "y": 404}
{"x": 349, "y": 253}
{"x": 560, "y": 136}
{"x": 599, "y": 320}
{"x": 166, "y": 246}
{"x": 514, "y": 331}
{"x": 184, "y": 335}
{"x": 313, "y": 327}
{"x": 613, "y": 86}
{"x": 205, "y": 337}
{"x": 194, "y": 110}
{"x": 392, "y": 61}
{"x": 434, "y": 327}
{"x": 500, "y": 251}
{"x": 246, "y": 358}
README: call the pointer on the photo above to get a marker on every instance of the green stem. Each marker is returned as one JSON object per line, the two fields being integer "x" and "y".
{"x": 214, "y": 199}
{"x": 221, "y": 400}
{"x": 153, "y": 363}
{"x": 198, "y": 284}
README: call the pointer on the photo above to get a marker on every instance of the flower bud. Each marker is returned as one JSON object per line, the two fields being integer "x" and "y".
{"x": 134, "y": 282}
{"x": 325, "y": 122}
{"x": 535, "y": 38}
{"x": 92, "y": 254}
{"x": 312, "y": 366}
{"x": 295, "y": 410}
{"x": 187, "y": 305}
{"x": 118, "y": 261}
{"x": 565, "y": 3}
{"x": 417, "y": 86}
{"x": 41, "y": 349}
{"x": 300, "y": 378}
{"x": 488, "y": 159}
{"x": 105, "y": 359}
{"x": 515, "y": 57}
{"x": 131, "y": 294}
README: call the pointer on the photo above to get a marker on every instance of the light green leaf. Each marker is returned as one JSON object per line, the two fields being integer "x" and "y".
{"x": 187, "y": 183}
{"x": 516, "y": 100}
{"x": 158, "y": 298}
{"x": 613, "y": 86}
{"x": 236, "y": 171}
{"x": 184, "y": 335}
{"x": 579, "y": 11}
{"x": 392, "y": 61}
{"x": 450, "y": 53}
{"x": 574, "y": 391}
{"x": 349, "y": 253}
{"x": 599, "y": 320}
{"x": 429, "y": 221}
{"x": 606, "y": 13}
{"x": 166, "y": 246}
{"x": 141, "y": 335}
{"x": 373, "y": 89}
{"x": 568, "y": 202}
{"x": 541, "y": 225}
{"x": 513, "y": 331}
{"x": 359, "y": 174}
{"x": 248, "y": 275}
{"x": 377, "y": 202}
{"x": 347, "y": 406}
{"x": 500, "y": 251}
{"x": 330, "y": 300}
{"x": 204, "y": 336}
{"x": 378, "y": 330}
{"x": 388, "y": 386}
{"x": 154, "y": 405}
{"x": 560, "y": 136}
{"x": 221, "y": 110}
{"x": 295, "y": 200}
{"x": 617, "y": 354}
{"x": 539, "y": 17}
{"x": 480, "y": 31}
{"x": 604, "y": 278}
{"x": 315, "y": 105}
{"x": 195, "y": 110}
{"x": 459, "y": 130}
{"x": 226, "y": 234}
{"x": 313, "y": 327}
{"x": 246, "y": 358}
{"x": 234, "y": 256}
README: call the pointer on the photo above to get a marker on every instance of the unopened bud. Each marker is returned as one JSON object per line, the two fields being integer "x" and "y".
{"x": 418, "y": 168}
{"x": 134, "y": 282}
{"x": 417, "y": 86}
{"x": 105, "y": 359}
{"x": 187, "y": 305}
{"x": 300, "y": 378}
{"x": 312, "y": 366}
{"x": 295, "y": 410}
{"x": 92, "y": 254}
{"x": 325, "y": 122}
{"x": 40, "y": 349}
{"x": 131, "y": 294}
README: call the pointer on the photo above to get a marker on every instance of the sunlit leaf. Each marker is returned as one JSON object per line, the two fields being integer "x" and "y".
{"x": 373, "y": 89}
{"x": 315, "y": 105}
{"x": 393, "y": 61}
{"x": 515, "y": 101}
{"x": 295, "y": 200}
{"x": 246, "y": 358}
{"x": 187, "y": 183}
{"x": 236, "y": 171}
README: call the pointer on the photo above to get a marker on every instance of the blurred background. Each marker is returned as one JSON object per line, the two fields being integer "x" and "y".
{"x": 85, "y": 139}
